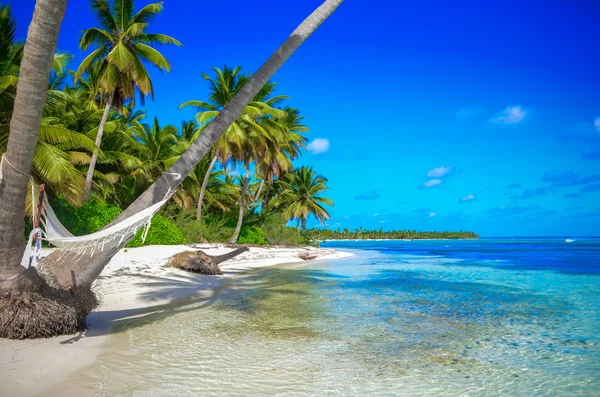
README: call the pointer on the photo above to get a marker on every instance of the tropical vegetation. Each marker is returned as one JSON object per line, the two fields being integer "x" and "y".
{"x": 92, "y": 128}
{"x": 365, "y": 234}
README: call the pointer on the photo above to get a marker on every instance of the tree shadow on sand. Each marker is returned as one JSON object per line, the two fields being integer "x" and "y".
{"x": 192, "y": 292}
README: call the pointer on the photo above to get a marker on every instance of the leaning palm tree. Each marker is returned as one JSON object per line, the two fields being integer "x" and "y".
{"x": 300, "y": 196}
{"x": 122, "y": 47}
{"x": 82, "y": 272}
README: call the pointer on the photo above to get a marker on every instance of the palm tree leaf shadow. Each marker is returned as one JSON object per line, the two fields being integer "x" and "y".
{"x": 163, "y": 288}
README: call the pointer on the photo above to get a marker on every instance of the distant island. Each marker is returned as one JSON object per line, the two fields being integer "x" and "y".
{"x": 364, "y": 234}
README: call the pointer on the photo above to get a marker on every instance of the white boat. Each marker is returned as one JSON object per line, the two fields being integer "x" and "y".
{"x": 569, "y": 240}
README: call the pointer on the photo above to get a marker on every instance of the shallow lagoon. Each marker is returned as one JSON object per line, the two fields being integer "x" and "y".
{"x": 421, "y": 318}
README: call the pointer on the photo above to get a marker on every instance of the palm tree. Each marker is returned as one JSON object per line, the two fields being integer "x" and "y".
{"x": 122, "y": 46}
{"x": 285, "y": 146}
{"x": 300, "y": 196}
{"x": 29, "y": 103}
{"x": 155, "y": 145}
{"x": 223, "y": 88}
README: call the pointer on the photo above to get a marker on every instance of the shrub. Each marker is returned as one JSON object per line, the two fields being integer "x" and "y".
{"x": 162, "y": 232}
{"x": 87, "y": 219}
{"x": 186, "y": 222}
{"x": 251, "y": 235}
{"x": 215, "y": 229}
{"x": 277, "y": 233}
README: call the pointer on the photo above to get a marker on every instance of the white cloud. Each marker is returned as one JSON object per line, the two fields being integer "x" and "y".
{"x": 469, "y": 197}
{"x": 467, "y": 113}
{"x": 432, "y": 183}
{"x": 439, "y": 172}
{"x": 432, "y": 214}
{"x": 597, "y": 124}
{"x": 510, "y": 115}
{"x": 382, "y": 221}
{"x": 376, "y": 215}
{"x": 319, "y": 145}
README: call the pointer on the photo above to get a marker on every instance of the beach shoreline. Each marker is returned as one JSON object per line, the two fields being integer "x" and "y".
{"x": 135, "y": 283}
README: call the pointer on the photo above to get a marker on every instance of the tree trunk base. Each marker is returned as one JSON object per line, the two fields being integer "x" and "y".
{"x": 44, "y": 312}
{"x": 199, "y": 262}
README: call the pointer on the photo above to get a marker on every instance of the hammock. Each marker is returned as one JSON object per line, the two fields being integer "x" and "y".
{"x": 51, "y": 230}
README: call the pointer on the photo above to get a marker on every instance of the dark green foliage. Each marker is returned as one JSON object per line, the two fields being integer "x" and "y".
{"x": 251, "y": 235}
{"x": 276, "y": 233}
{"x": 92, "y": 216}
{"x": 360, "y": 234}
{"x": 87, "y": 219}
{"x": 216, "y": 229}
{"x": 275, "y": 230}
{"x": 162, "y": 232}
{"x": 258, "y": 228}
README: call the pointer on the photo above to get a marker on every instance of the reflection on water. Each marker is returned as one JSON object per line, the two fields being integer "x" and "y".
{"x": 379, "y": 324}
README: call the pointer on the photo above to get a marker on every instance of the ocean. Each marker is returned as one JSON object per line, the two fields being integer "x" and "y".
{"x": 488, "y": 317}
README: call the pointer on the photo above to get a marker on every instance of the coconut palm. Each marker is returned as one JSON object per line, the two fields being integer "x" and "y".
{"x": 32, "y": 85}
{"x": 123, "y": 45}
{"x": 300, "y": 196}
{"x": 155, "y": 147}
{"x": 223, "y": 88}
{"x": 286, "y": 145}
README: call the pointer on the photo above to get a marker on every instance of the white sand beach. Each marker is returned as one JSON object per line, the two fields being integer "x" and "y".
{"x": 134, "y": 283}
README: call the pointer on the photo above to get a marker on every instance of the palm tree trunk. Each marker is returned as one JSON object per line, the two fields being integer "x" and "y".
{"x": 90, "y": 173}
{"x": 24, "y": 127}
{"x": 262, "y": 183}
{"x": 238, "y": 227}
{"x": 198, "y": 149}
{"x": 298, "y": 226}
{"x": 265, "y": 202}
{"x": 303, "y": 223}
{"x": 203, "y": 189}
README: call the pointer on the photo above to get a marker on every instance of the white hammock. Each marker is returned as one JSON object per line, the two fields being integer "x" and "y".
{"x": 107, "y": 239}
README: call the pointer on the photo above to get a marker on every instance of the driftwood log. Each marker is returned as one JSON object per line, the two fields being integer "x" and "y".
{"x": 200, "y": 262}
{"x": 307, "y": 256}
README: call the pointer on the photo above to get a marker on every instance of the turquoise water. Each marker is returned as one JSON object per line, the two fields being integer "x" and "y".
{"x": 421, "y": 318}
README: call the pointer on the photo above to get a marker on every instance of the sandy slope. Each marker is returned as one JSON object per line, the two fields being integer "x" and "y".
{"x": 134, "y": 283}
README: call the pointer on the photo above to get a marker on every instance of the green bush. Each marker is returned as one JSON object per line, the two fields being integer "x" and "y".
{"x": 276, "y": 233}
{"x": 214, "y": 229}
{"x": 162, "y": 232}
{"x": 257, "y": 229}
{"x": 87, "y": 219}
{"x": 251, "y": 235}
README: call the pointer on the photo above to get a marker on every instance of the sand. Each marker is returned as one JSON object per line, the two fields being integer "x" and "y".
{"x": 134, "y": 283}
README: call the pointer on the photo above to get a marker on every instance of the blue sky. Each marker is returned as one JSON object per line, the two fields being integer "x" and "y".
{"x": 480, "y": 116}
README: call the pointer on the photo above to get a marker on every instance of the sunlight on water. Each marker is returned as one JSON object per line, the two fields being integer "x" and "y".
{"x": 383, "y": 323}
